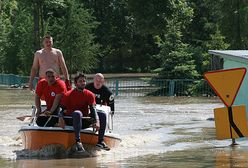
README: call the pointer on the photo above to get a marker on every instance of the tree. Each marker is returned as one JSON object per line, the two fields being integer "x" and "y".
{"x": 233, "y": 22}
{"x": 78, "y": 39}
{"x": 177, "y": 61}
{"x": 7, "y": 9}
{"x": 203, "y": 32}
{"x": 204, "y": 22}
{"x": 113, "y": 34}
{"x": 216, "y": 42}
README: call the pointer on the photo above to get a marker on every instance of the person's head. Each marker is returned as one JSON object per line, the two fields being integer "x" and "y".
{"x": 80, "y": 81}
{"x": 98, "y": 80}
{"x": 47, "y": 42}
{"x": 50, "y": 76}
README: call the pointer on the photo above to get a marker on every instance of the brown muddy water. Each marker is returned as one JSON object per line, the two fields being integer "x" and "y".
{"x": 155, "y": 131}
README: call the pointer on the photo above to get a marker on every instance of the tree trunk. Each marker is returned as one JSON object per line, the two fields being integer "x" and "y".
{"x": 37, "y": 24}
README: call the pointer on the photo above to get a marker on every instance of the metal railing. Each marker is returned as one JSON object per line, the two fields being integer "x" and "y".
{"x": 15, "y": 80}
{"x": 160, "y": 87}
{"x": 135, "y": 86}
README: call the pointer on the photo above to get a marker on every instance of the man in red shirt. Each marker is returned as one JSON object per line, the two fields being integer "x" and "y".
{"x": 77, "y": 103}
{"x": 52, "y": 89}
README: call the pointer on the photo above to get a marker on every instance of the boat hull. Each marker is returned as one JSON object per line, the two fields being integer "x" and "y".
{"x": 35, "y": 138}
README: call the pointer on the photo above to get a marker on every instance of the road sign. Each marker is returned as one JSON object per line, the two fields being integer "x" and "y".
{"x": 226, "y": 83}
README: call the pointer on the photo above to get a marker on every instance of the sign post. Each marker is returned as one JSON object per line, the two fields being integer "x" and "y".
{"x": 230, "y": 121}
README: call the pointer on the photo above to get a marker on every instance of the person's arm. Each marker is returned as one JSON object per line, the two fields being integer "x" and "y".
{"x": 111, "y": 103}
{"x": 64, "y": 69}
{"x": 55, "y": 103}
{"x": 95, "y": 117}
{"x": 63, "y": 66}
{"x": 37, "y": 104}
{"x": 110, "y": 99}
{"x": 61, "y": 117}
{"x": 34, "y": 70}
{"x": 61, "y": 89}
{"x": 63, "y": 104}
{"x": 93, "y": 113}
{"x": 37, "y": 96}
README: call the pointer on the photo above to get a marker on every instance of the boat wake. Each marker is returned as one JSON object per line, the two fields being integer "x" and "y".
{"x": 55, "y": 151}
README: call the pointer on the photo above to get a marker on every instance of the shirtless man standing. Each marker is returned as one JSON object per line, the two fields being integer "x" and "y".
{"x": 46, "y": 58}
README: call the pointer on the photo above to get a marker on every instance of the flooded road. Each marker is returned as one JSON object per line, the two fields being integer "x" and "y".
{"x": 155, "y": 132}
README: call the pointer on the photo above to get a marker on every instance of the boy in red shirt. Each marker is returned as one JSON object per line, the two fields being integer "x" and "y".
{"x": 77, "y": 103}
{"x": 52, "y": 89}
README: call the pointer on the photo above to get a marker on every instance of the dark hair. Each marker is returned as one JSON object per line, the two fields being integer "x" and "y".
{"x": 80, "y": 75}
{"x": 50, "y": 70}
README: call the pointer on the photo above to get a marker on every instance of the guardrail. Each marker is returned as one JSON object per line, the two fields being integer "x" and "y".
{"x": 135, "y": 87}
{"x": 160, "y": 87}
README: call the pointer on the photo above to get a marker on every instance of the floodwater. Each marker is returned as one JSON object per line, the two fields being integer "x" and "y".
{"x": 155, "y": 132}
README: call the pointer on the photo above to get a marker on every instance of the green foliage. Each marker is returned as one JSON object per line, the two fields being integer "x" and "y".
{"x": 68, "y": 22}
{"x": 18, "y": 47}
{"x": 78, "y": 40}
{"x": 114, "y": 34}
{"x": 203, "y": 23}
{"x": 198, "y": 86}
{"x": 22, "y": 40}
{"x": 169, "y": 37}
{"x": 176, "y": 59}
{"x": 216, "y": 42}
{"x": 233, "y": 22}
{"x": 151, "y": 17}
{"x": 178, "y": 64}
{"x": 6, "y": 13}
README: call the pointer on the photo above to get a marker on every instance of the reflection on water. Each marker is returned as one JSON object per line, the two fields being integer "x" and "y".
{"x": 232, "y": 157}
{"x": 51, "y": 163}
{"x": 155, "y": 132}
{"x": 227, "y": 157}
